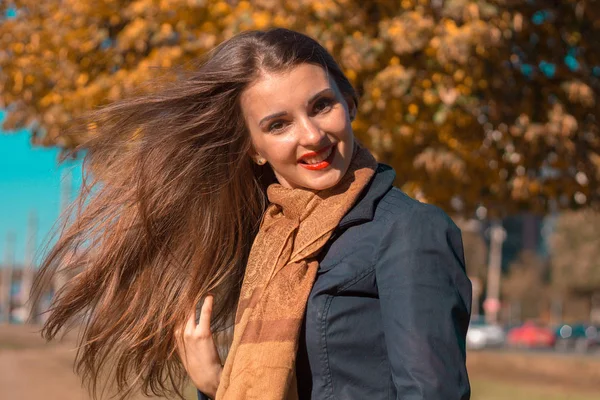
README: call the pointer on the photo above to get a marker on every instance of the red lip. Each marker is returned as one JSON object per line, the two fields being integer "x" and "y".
{"x": 314, "y": 153}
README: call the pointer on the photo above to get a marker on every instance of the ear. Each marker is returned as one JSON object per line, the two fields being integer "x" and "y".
{"x": 256, "y": 158}
{"x": 252, "y": 153}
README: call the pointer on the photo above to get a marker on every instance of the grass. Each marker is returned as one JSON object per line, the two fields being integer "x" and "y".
{"x": 487, "y": 389}
{"x": 510, "y": 375}
{"x": 494, "y": 375}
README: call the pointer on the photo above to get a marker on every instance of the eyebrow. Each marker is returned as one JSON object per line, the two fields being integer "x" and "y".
{"x": 281, "y": 114}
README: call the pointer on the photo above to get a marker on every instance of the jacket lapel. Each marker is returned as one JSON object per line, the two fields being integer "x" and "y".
{"x": 364, "y": 209}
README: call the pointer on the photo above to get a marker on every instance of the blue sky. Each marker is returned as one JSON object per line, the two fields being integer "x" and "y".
{"x": 30, "y": 180}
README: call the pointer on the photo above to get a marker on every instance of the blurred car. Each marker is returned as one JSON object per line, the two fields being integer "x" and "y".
{"x": 531, "y": 335}
{"x": 482, "y": 335}
{"x": 577, "y": 337}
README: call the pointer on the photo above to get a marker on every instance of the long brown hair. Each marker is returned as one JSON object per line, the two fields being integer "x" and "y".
{"x": 170, "y": 206}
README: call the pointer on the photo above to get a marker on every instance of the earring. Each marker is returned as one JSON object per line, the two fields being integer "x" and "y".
{"x": 261, "y": 161}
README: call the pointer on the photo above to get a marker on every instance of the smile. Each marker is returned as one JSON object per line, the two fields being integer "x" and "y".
{"x": 319, "y": 161}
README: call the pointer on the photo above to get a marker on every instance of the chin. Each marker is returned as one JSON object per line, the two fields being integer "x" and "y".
{"x": 325, "y": 183}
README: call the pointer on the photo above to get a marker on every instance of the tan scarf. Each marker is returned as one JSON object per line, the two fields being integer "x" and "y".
{"x": 280, "y": 273}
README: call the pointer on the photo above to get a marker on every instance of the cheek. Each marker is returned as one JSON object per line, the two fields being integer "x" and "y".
{"x": 338, "y": 122}
{"x": 278, "y": 149}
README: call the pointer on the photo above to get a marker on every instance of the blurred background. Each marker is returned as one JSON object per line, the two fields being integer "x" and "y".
{"x": 486, "y": 108}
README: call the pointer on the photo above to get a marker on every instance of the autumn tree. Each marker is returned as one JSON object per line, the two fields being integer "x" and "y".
{"x": 575, "y": 258}
{"x": 525, "y": 289}
{"x": 487, "y": 105}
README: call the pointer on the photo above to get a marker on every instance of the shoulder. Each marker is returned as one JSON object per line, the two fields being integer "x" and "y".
{"x": 419, "y": 240}
{"x": 401, "y": 212}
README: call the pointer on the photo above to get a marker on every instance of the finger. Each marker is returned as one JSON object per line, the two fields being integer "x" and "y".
{"x": 205, "y": 314}
{"x": 190, "y": 324}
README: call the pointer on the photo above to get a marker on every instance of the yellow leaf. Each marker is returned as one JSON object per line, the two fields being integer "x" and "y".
{"x": 261, "y": 19}
{"x": 376, "y": 93}
{"x": 244, "y": 5}
{"x": 459, "y": 75}
{"x": 350, "y": 74}
{"x": 222, "y": 7}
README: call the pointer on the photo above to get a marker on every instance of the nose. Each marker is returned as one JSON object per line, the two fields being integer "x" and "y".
{"x": 310, "y": 134}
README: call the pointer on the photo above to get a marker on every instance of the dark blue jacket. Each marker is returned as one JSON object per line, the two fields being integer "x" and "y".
{"x": 388, "y": 313}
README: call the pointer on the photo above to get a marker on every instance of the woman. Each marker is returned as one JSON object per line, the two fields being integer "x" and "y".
{"x": 244, "y": 185}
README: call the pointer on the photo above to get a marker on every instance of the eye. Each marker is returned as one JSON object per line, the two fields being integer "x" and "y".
{"x": 276, "y": 126}
{"x": 323, "y": 104}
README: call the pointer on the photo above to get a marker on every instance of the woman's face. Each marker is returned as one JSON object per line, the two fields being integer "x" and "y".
{"x": 300, "y": 123}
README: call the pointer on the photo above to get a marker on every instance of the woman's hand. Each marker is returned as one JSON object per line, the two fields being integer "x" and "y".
{"x": 198, "y": 351}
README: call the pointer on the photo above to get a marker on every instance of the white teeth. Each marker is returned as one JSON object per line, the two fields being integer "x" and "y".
{"x": 318, "y": 158}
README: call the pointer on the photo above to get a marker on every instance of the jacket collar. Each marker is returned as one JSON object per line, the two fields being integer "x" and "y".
{"x": 364, "y": 209}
